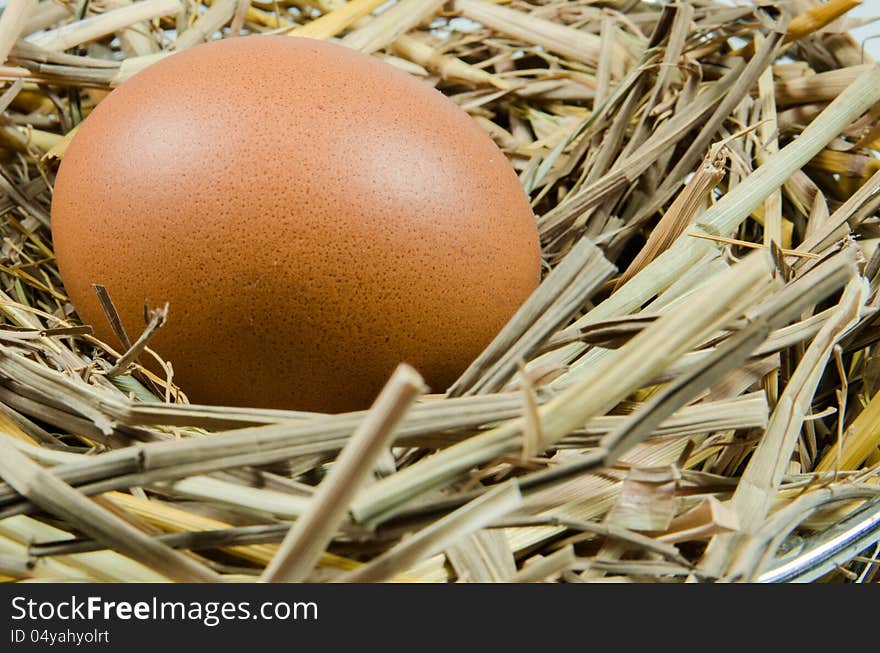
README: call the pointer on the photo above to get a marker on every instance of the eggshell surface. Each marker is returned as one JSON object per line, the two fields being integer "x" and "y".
{"x": 312, "y": 216}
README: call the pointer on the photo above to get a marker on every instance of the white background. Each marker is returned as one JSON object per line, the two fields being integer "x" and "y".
{"x": 868, "y": 9}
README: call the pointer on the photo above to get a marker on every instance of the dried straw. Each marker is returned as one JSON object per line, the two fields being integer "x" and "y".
{"x": 680, "y": 421}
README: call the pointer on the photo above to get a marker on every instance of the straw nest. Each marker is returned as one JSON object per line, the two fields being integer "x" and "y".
{"x": 691, "y": 393}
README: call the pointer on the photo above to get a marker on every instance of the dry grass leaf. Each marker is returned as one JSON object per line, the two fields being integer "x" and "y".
{"x": 647, "y": 500}
{"x": 710, "y": 517}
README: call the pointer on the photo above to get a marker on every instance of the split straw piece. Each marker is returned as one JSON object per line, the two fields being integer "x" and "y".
{"x": 768, "y": 130}
{"x": 96, "y": 27}
{"x": 680, "y": 213}
{"x": 311, "y": 533}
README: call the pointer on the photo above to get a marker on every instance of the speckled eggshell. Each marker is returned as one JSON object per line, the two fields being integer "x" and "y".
{"x": 312, "y": 215}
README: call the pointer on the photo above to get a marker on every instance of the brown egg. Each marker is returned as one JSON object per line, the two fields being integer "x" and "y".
{"x": 312, "y": 215}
